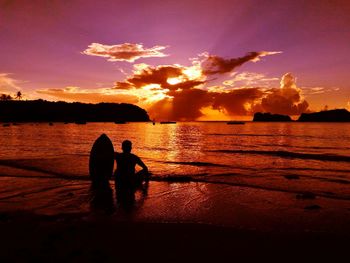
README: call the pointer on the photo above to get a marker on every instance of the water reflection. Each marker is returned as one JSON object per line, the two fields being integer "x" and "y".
{"x": 129, "y": 198}
{"x": 101, "y": 198}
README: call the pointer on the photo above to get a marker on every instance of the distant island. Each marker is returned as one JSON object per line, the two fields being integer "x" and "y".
{"x": 46, "y": 111}
{"x": 339, "y": 115}
{"x": 259, "y": 116}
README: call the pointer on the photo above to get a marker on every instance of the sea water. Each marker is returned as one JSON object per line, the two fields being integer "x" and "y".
{"x": 286, "y": 157}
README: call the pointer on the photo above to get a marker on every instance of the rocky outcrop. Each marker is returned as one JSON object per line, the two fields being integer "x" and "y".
{"x": 268, "y": 117}
{"x": 340, "y": 115}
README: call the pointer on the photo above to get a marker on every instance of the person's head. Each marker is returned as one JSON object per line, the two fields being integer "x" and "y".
{"x": 126, "y": 146}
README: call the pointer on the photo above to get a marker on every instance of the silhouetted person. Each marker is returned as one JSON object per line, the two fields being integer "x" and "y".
{"x": 126, "y": 180}
{"x": 126, "y": 161}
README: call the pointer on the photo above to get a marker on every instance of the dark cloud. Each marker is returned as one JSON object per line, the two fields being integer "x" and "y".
{"x": 285, "y": 100}
{"x": 217, "y": 65}
{"x": 277, "y": 104}
{"x": 184, "y": 106}
{"x": 238, "y": 101}
{"x": 160, "y": 75}
{"x": 154, "y": 75}
{"x": 188, "y": 103}
{"x": 182, "y": 98}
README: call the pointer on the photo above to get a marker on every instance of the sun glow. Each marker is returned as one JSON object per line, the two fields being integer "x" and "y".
{"x": 194, "y": 72}
{"x": 174, "y": 81}
{"x": 211, "y": 114}
{"x": 150, "y": 93}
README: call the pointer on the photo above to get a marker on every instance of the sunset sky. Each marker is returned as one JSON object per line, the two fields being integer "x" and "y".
{"x": 180, "y": 60}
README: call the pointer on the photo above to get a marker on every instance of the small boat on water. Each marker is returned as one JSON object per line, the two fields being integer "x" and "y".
{"x": 167, "y": 122}
{"x": 80, "y": 122}
{"x": 235, "y": 122}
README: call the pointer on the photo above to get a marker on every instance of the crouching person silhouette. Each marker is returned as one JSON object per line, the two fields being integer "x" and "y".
{"x": 126, "y": 180}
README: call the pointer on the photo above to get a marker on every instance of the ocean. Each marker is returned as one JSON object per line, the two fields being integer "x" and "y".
{"x": 45, "y": 168}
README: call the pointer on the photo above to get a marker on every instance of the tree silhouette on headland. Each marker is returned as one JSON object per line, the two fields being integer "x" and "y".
{"x": 5, "y": 97}
{"x": 45, "y": 111}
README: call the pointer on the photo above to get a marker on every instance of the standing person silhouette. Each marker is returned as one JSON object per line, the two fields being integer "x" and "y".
{"x": 125, "y": 175}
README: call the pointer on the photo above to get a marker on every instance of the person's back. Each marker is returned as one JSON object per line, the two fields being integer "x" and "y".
{"x": 126, "y": 162}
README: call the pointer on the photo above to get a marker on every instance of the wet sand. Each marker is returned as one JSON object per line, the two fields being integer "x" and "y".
{"x": 62, "y": 219}
{"x": 73, "y": 239}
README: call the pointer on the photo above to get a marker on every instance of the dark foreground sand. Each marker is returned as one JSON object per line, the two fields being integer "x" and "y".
{"x": 47, "y": 220}
{"x": 76, "y": 238}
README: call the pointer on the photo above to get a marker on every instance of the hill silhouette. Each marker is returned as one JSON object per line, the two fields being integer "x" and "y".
{"x": 259, "y": 116}
{"x": 339, "y": 115}
{"x": 46, "y": 111}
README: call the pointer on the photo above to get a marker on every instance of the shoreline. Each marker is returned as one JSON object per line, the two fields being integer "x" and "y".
{"x": 228, "y": 205}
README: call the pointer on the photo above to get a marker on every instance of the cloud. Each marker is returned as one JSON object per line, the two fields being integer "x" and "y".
{"x": 212, "y": 64}
{"x": 249, "y": 79}
{"x": 177, "y": 76}
{"x": 237, "y": 102}
{"x": 316, "y": 90}
{"x": 88, "y": 95}
{"x": 284, "y": 100}
{"x": 182, "y": 93}
{"x": 124, "y": 52}
{"x": 188, "y": 104}
{"x": 8, "y": 84}
{"x": 171, "y": 77}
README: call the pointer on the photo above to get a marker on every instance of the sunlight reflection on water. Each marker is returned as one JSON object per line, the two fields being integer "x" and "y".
{"x": 195, "y": 147}
{"x": 254, "y": 156}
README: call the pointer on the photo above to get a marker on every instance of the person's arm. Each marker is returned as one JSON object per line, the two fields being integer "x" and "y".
{"x": 141, "y": 163}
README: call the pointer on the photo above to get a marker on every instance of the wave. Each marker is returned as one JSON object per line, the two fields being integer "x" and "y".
{"x": 178, "y": 178}
{"x": 189, "y": 179}
{"x": 346, "y": 171}
{"x": 198, "y": 164}
{"x": 292, "y": 155}
{"x": 264, "y": 135}
{"x": 52, "y": 174}
{"x": 305, "y": 147}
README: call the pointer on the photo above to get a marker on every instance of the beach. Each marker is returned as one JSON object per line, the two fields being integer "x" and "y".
{"x": 200, "y": 203}
{"x": 70, "y": 239}
{"x": 174, "y": 221}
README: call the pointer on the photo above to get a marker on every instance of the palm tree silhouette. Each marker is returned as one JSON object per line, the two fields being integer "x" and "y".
{"x": 19, "y": 95}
